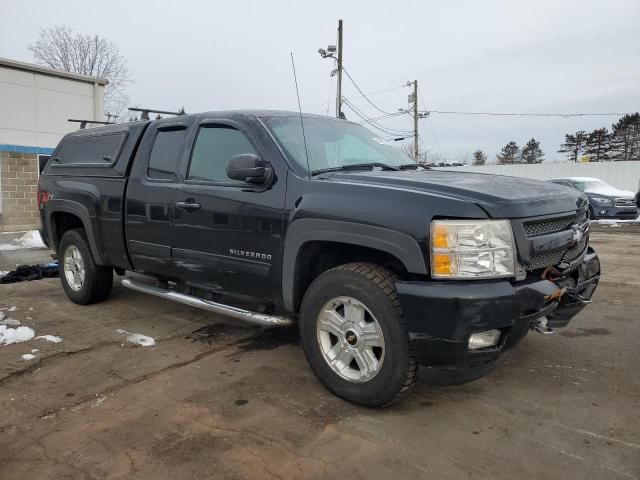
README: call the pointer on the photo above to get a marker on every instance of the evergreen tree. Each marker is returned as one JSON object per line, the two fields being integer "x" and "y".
{"x": 625, "y": 138}
{"x": 574, "y": 145}
{"x": 510, "y": 154}
{"x": 531, "y": 152}
{"x": 479, "y": 158}
{"x": 598, "y": 145}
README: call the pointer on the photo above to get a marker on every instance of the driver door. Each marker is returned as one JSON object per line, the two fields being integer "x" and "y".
{"x": 226, "y": 234}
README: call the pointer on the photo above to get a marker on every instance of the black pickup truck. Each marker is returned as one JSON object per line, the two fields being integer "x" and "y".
{"x": 276, "y": 218}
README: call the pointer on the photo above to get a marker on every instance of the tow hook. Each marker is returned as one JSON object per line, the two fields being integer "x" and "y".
{"x": 540, "y": 326}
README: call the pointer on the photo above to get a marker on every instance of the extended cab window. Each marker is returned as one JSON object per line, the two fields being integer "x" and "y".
{"x": 90, "y": 149}
{"x": 214, "y": 147}
{"x": 165, "y": 153}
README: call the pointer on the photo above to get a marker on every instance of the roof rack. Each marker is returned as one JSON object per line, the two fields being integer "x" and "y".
{"x": 147, "y": 111}
{"x": 83, "y": 123}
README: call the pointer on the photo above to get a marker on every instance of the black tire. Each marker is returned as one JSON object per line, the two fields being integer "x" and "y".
{"x": 374, "y": 287}
{"x": 98, "y": 280}
{"x": 449, "y": 377}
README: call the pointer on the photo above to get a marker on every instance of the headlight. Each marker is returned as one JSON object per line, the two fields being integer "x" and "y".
{"x": 472, "y": 249}
{"x": 602, "y": 200}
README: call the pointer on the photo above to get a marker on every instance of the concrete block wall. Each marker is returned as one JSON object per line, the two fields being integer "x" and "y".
{"x": 18, "y": 187}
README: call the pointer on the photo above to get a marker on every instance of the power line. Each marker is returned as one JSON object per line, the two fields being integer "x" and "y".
{"x": 361, "y": 93}
{"x": 501, "y": 114}
{"x": 370, "y": 94}
{"x": 355, "y": 110}
{"x": 436, "y": 143}
{"x": 360, "y": 114}
{"x": 382, "y": 117}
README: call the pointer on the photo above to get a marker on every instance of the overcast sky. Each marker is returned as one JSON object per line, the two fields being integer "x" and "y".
{"x": 567, "y": 56}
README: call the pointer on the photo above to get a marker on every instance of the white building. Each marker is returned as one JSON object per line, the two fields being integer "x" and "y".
{"x": 35, "y": 105}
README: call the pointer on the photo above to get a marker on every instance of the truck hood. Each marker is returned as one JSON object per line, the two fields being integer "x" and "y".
{"x": 500, "y": 196}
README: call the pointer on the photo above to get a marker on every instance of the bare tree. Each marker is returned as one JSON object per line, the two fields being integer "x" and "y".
{"x": 408, "y": 149}
{"x": 60, "y": 48}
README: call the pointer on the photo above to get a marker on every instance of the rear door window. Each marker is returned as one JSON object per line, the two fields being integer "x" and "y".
{"x": 165, "y": 154}
{"x": 90, "y": 150}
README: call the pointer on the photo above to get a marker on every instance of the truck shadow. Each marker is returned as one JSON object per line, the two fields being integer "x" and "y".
{"x": 246, "y": 337}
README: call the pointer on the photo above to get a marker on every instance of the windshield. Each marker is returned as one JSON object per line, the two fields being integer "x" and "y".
{"x": 332, "y": 143}
{"x": 589, "y": 185}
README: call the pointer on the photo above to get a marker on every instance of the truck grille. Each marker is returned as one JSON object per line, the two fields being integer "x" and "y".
{"x": 625, "y": 202}
{"x": 544, "y": 227}
{"x": 555, "y": 257}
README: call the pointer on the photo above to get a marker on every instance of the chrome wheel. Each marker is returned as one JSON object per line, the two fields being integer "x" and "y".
{"x": 74, "y": 270}
{"x": 350, "y": 339}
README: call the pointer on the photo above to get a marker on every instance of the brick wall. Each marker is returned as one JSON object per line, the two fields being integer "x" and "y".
{"x": 18, "y": 185}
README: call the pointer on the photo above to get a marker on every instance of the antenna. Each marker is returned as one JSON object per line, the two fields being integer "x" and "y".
{"x": 304, "y": 138}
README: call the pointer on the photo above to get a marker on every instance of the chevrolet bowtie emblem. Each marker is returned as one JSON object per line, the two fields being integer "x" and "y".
{"x": 577, "y": 233}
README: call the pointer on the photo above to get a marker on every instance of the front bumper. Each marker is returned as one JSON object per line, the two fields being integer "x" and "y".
{"x": 440, "y": 316}
{"x": 617, "y": 213}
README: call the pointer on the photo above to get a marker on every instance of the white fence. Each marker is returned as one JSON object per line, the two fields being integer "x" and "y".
{"x": 623, "y": 175}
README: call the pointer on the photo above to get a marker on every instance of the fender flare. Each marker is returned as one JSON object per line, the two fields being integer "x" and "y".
{"x": 80, "y": 211}
{"x": 402, "y": 246}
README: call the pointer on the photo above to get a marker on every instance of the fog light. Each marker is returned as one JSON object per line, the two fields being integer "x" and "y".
{"x": 603, "y": 212}
{"x": 484, "y": 339}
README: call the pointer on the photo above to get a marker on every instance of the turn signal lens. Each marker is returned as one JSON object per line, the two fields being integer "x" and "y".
{"x": 440, "y": 236}
{"x": 442, "y": 264}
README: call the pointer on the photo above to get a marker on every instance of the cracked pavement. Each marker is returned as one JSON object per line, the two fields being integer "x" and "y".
{"x": 215, "y": 398}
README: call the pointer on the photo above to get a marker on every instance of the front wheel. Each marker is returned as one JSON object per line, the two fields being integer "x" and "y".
{"x": 82, "y": 279}
{"x": 354, "y": 337}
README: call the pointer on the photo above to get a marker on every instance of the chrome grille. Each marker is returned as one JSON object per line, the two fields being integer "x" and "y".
{"x": 554, "y": 225}
{"x": 546, "y": 259}
{"x": 543, "y": 227}
{"x": 625, "y": 202}
{"x": 575, "y": 251}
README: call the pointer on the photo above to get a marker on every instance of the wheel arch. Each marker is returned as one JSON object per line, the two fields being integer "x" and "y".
{"x": 316, "y": 245}
{"x": 62, "y": 215}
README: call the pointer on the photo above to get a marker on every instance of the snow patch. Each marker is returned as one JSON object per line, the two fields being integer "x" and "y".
{"x": 15, "y": 335}
{"x": 30, "y": 239}
{"x": 10, "y": 321}
{"x": 27, "y": 356}
{"x": 49, "y": 338}
{"x": 34, "y": 350}
{"x": 138, "y": 338}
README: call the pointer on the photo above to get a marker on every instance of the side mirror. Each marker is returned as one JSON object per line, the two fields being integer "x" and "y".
{"x": 249, "y": 168}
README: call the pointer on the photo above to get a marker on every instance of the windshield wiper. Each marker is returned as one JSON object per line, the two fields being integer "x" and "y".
{"x": 412, "y": 166}
{"x": 355, "y": 166}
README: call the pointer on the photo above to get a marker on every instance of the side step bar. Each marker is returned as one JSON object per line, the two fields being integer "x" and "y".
{"x": 239, "y": 313}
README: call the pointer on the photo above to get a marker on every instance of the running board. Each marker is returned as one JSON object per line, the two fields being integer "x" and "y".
{"x": 239, "y": 313}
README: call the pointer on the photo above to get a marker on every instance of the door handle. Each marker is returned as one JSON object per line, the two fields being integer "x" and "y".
{"x": 188, "y": 205}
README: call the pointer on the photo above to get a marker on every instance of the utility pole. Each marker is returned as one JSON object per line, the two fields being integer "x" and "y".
{"x": 416, "y": 147}
{"x": 339, "y": 89}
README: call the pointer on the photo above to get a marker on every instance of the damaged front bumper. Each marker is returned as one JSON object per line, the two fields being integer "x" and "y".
{"x": 441, "y": 316}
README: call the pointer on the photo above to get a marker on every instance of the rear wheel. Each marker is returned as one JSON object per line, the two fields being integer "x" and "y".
{"x": 354, "y": 337}
{"x": 82, "y": 279}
